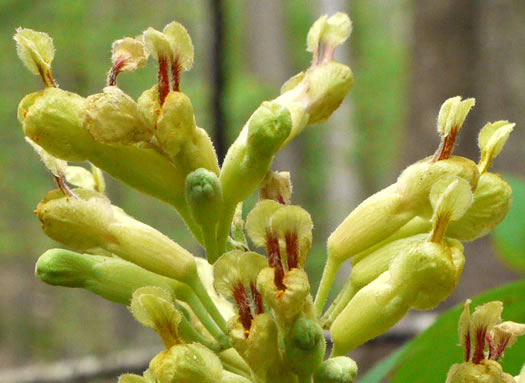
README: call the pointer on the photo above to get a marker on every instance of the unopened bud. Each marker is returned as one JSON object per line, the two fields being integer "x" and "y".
{"x": 113, "y": 117}
{"x": 304, "y": 347}
{"x": 340, "y": 369}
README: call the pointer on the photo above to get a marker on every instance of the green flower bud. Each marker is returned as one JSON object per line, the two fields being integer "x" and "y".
{"x": 114, "y": 117}
{"x": 149, "y": 106}
{"x": 305, "y": 347}
{"x": 340, "y": 369}
{"x": 420, "y": 277}
{"x": 327, "y": 85}
{"x": 36, "y": 50}
{"x": 52, "y": 119}
{"x": 65, "y": 268}
{"x": 90, "y": 223}
{"x": 186, "y": 363}
{"x": 276, "y": 186}
{"x": 492, "y": 202}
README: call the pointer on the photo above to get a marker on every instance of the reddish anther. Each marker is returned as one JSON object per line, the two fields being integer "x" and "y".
{"x": 468, "y": 346}
{"x": 292, "y": 250}
{"x": 175, "y": 74}
{"x": 164, "y": 79}
{"x": 447, "y": 146}
{"x": 257, "y": 299}
{"x": 274, "y": 259}
{"x": 480, "y": 345}
{"x": 243, "y": 304}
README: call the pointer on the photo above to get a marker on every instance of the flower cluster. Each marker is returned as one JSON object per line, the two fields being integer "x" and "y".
{"x": 239, "y": 316}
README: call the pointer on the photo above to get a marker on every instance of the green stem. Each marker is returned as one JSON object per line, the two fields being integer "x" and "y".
{"x": 330, "y": 271}
{"x": 200, "y": 311}
{"x": 225, "y": 225}
{"x": 232, "y": 358}
{"x": 207, "y": 302}
{"x": 338, "y": 305}
{"x": 211, "y": 245}
{"x": 189, "y": 333}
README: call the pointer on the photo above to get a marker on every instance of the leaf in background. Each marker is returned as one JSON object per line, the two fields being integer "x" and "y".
{"x": 509, "y": 236}
{"x": 428, "y": 357}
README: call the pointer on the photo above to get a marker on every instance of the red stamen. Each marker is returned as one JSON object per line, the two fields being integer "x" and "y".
{"x": 115, "y": 71}
{"x": 243, "y": 304}
{"x": 488, "y": 339}
{"x": 280, "y": 199}
{"x": 468, "y": 346}
{"x": 164, "y": 79}
{"x": 274, "y": 259}
{"x": 480, "y": 345}
{"x": 257, "y": 299}
{"x": 175, "y": 73}
{"x": 500, "y": 348}
{"x": 447, "y": 145}
{"x": 292, "y": 249}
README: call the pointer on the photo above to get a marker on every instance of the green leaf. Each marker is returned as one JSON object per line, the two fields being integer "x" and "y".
{"x": 428, "y": 357}
{"x": 509, "y": 236}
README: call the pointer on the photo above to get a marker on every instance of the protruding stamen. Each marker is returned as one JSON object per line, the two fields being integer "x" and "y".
{"x": 257, "y": 299}
{"x": 275, "y": 260}
{"x": 243, "y": 304}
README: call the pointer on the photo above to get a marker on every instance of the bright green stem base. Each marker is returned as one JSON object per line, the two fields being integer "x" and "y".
{"x": 225, "y": 226}
{"x": 330, "y": 271}
{"x": 207, "y": 302}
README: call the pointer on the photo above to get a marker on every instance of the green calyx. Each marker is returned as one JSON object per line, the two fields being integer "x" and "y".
{"x": 340, "y": 369}
{"x": 305, "y": 347}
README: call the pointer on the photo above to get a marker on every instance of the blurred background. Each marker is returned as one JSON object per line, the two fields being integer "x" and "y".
{"x": 407, "y": 57}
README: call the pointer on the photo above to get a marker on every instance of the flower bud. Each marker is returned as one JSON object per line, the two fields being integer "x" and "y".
{"x": 186, "y": 363}
{"x": 36, "y": 50}
{"x": 149, "y": 106}
{"x": 492, "y": 202}
{"x": 64, "y": 268}
{"x": 340, "y": 369}
{"x": 90, "y": 223}
{"x": 52, "y": 118}
{"x": 304, "y": 347}
{"x": 276, "y": 186}
{"x": 113, "y": 117}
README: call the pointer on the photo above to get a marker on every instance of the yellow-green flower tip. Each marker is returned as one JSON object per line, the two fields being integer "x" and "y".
{"x": 340, "y": 369}
{"x": 204, "y": 196}
{"x": 186, "y": 363}
{"x": 304, "y": 347}
{"x": 452, "y": 114}
{"x": 258, "y": 221}
{"x": 129, "y": 54}
{"x": 331, "y": 31}
{"x": 268, "y": 127}
{"x": 181, "y": 45}
{"x": 35, "y": 49}
{"x": 492, "y": 138}
{"x": 327, "y": 85}
{"x": 153, "y": 307}
{"x": 292, "y": 82}
{"x": 157, "y": 44}
{"x": 276, "y": 186}
{"x": 52, "y": 118}
{"x": 56, "y": 166}
{"x": 112, "y": 117}
{"x": 64, "y": 268}
{"x": 451, "y": 196}
{"x": 492, "y": 202}
{"x": 294, "y": 225}
{"x": 236, "y": 267}
{"x": 229, "y": 377}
